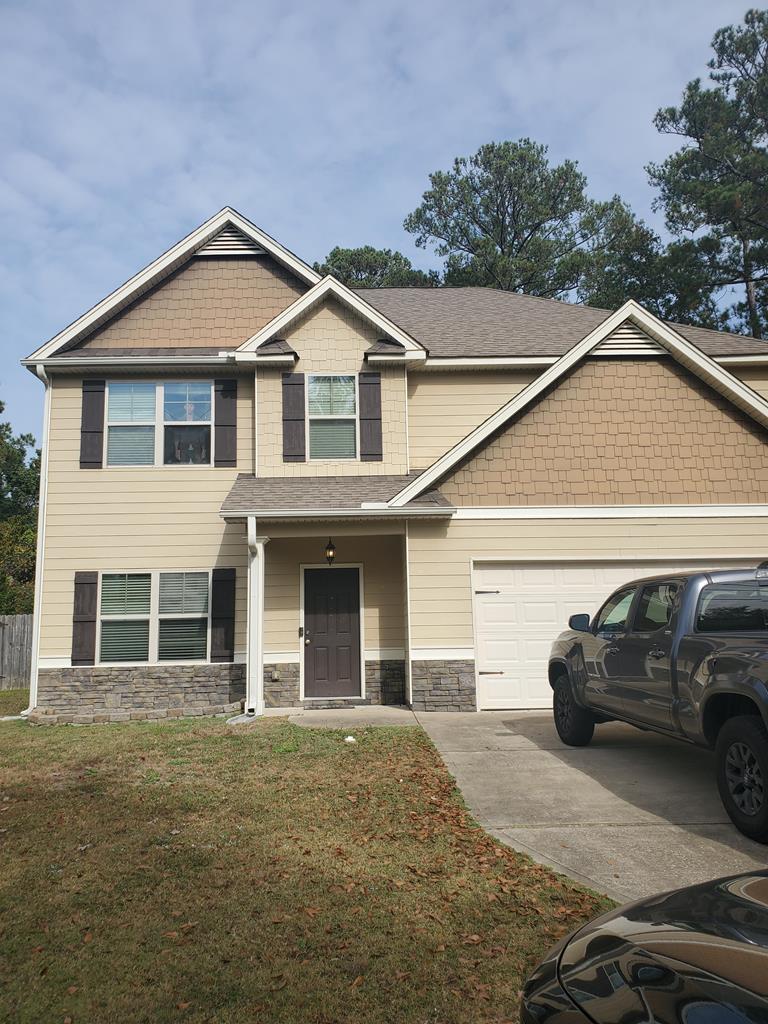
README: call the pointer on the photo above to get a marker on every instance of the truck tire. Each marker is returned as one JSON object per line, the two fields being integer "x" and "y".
{"x": 575, "y": 725}
{"x": 742, "y": 774}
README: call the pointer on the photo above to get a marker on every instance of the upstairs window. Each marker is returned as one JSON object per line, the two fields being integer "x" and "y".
{"x": 332, "y": 417}
{"x": 159, "y": 424}
{"x": 131, "y": 424}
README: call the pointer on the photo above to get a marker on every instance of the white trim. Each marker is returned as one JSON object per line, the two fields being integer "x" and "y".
{"x": 488, "y": 362}
{"x": 106, "y": 362}
{"x": 175, "y": 256}
{"x": 710, "y": 560}
{"x": 742, "y": 360}
{"x": 330, "y": 286}
{"x": 384, "y": 654}
{"x": 360, "y": 512}
{"x": 686, "y": 353}
{"x": 611, "y": 512}
{"x": 54, "y": 662}
{"x": 254, "y": 672}
{"x": 40, "y": 546}
{"x": 407, "y": 595}
{"x": 282, "y": 657}
{"x": 442, "y": 653}
{"x": 361, "y": 621}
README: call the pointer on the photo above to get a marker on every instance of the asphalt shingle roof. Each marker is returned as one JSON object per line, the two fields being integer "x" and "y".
{"x": 261, "y": 495}
{"x": 484, "y": 322}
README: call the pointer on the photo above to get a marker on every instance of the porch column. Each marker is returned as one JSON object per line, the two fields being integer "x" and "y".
{"x": 254, "y": 678}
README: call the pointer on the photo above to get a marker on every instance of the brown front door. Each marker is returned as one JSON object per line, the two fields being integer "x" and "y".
{"x": 331, "y": 633}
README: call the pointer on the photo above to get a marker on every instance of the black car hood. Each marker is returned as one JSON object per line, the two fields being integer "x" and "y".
{"x": 708, "y": 942}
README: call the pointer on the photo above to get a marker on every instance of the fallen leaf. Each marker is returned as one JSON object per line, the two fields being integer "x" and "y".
{"x": 87, "y": 937}
{"x": 357, "y": 982}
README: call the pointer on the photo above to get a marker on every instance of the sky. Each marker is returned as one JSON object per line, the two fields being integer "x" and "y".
{"x": 125, "y": 125}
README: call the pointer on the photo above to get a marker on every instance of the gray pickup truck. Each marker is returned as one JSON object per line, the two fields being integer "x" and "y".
{"x": 685, "y": 655}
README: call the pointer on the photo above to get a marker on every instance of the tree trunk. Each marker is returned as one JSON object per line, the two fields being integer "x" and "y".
{"x": 749, "y": 284}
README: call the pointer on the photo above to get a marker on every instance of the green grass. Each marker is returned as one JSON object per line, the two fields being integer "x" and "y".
{"x": 13, "y": 701}
{"x": 190, "y": 871}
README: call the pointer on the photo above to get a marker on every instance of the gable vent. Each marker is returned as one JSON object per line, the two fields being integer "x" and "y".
{"x": 628, "y": 340}
{"x": 230, "y": 241}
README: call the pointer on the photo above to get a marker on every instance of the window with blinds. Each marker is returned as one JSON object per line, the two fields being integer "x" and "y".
{"x": 152, "y": 617}
{"x": 130, "y": 424}
{"x": 187, "y": 423}
{"x": 159, "y": 424}
{"x": 332, "y": 411}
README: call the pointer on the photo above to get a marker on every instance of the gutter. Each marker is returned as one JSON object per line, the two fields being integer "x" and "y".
{"x": 362, "y": 512}
{"x": 40, "y": 548}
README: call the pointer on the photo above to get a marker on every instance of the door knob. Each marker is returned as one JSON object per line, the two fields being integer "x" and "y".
{"x": 306, "y": 640}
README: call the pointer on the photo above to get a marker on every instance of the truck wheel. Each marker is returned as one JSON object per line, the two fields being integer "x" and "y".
{"x": 575, "y": 725}
{"x": 742, "y": 774}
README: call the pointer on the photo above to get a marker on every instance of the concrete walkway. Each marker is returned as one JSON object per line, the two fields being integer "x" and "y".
{"x": 630, "y": 815}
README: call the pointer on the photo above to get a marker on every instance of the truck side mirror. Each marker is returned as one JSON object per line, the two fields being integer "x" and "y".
{"x": 579, "y": 622}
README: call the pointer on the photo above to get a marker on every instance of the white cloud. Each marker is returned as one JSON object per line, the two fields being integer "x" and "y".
{"x": 125, "y": 125}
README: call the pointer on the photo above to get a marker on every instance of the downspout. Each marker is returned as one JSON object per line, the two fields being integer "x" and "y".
{"x": 41, "y": 516}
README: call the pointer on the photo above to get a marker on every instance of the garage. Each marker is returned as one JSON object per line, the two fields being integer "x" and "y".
{"x": 520, "y": 607}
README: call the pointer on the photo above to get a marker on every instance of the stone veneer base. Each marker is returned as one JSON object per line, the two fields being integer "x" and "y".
{"x": 384, "y": 684}
{"x": 443, "y": 686}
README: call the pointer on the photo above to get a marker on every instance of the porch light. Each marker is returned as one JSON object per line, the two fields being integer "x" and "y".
{"x": 330, "y": 551}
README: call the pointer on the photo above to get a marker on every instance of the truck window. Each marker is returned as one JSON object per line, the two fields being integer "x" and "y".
{"x": 732, "y": 608}
{"x": 613, "y": 614}
{"x": 654, "y": 609}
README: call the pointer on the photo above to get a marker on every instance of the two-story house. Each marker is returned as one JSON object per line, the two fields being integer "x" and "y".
{"x": 261, "y": 486}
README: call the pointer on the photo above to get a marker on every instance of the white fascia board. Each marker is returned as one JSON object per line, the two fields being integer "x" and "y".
{"x": 521, "y": 512}
{"x": 684, "y": 351}
{"x": 254, "y": 359}
{"x": 408, "y": 357}
{"x": 742, "y": 360}
{"x": 330, "y": 286}
{"x": 169, "y": 260}
{"x": 126, "y": 361}
{"x": 361, "y": 512}
{"x": 489, "y": 362}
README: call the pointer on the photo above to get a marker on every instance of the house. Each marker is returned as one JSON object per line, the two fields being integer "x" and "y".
{"x": 259, "y": 485}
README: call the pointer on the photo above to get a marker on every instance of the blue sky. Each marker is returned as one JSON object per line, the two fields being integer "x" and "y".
{"x": 126, "y": 125}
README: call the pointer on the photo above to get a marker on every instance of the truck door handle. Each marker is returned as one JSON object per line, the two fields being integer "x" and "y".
{"x": 611, "y": 650}
{"x": 656, "y": 652}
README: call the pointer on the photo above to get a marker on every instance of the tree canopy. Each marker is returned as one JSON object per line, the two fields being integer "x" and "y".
{"x": 367, "y": 267}
{"x": 19, "y": 487}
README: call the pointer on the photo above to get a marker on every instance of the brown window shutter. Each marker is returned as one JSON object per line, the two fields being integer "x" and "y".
{"x": 223, "y": 614}
{"x": 84, "y": 618}
{"x": 294, "y": 443}
{"x": 92, "y": 425}
{"x": 225, "y": 423}
{"x": 370, "y": 417}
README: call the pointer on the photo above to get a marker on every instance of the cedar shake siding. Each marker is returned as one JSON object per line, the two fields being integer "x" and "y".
{"x": 208, "y": 303}
{"x": 632, "y": 432}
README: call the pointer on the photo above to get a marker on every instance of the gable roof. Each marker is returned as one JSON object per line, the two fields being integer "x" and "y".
{"x": 329, "y": 287}
{"x": 684, "y": 351}
{"x": 486, "y": 323}
{"x": 232, "y": 229}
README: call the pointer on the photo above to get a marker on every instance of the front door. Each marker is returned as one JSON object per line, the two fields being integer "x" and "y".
{"x": 331, "y": 633}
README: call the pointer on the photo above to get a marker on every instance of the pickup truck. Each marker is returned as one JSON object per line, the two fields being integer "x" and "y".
{"x": 686, "y": 655}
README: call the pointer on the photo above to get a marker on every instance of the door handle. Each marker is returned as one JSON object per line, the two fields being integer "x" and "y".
{"x": 611, "y": 650}
{"x": 656, "y": 652}
{"x": 306, "y": 641}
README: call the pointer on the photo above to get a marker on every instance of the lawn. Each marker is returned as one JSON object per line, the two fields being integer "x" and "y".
{"x": 191, "y": 871}
{"x": 13, "y": 701}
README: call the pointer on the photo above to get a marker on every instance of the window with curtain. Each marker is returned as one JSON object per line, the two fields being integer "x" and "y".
{"x": 154, "y": 616}
{"x": 187, "y": 423}
{"x": 332, "y": 417}
{"x": 130, "y": 424}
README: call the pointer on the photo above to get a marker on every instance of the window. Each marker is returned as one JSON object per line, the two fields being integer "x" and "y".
{"x": 613, "y": 614}
{"x": 159, "y": 424}
{"x": 332, "y": 417}
{"x": 131, "y": 424}
{"x": 157, "y": 616}
{"x": 732, "y": 608}
{"x": 187, "y": 423}
{"x": 655, "y": 607}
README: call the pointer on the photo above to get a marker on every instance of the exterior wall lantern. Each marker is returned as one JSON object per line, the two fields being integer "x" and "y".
{"x": 330, "y": 551}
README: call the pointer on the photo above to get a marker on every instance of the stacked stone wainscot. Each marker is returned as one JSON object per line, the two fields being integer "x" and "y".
{"x": 443, "y": 686}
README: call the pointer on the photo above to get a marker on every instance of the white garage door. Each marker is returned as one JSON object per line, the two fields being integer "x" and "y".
{"x": 521, "y": 607}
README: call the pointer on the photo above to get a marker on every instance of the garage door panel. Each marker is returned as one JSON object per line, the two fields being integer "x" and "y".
{"x": 528, "y": 605}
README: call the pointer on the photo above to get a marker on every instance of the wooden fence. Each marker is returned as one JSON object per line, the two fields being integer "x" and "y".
{"x": 15, "y": 651}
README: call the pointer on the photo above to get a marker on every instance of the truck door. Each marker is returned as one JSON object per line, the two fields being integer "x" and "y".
{"x": 644, "y": 659}
{"x": 602, "y": 648}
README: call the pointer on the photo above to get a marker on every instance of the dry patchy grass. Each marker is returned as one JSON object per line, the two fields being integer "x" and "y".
{"x": 13, "y": 701}
{"x": 194, "y": 872}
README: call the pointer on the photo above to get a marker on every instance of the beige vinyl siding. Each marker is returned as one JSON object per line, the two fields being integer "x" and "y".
{"x": 440, "y": 557}
{"x": 444, "y": 406}
{"x": 133, "y": 519}
{"x": 383, "y": 587}
{"x": 755, "y": 377}
{"x": 330, "y": 339}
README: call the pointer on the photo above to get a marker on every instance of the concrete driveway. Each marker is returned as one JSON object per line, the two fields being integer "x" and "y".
{"x": 630, "y": 815}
